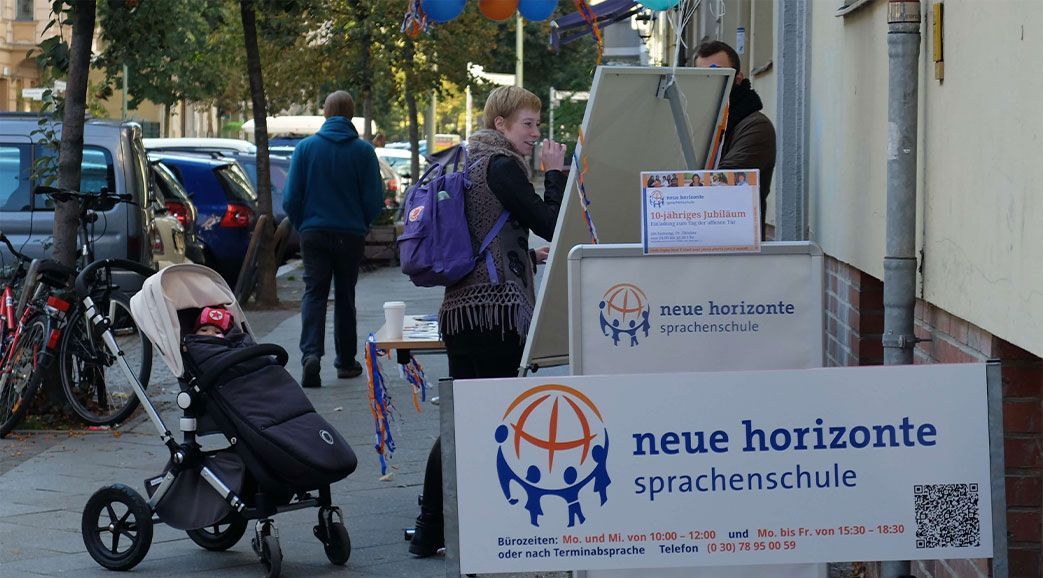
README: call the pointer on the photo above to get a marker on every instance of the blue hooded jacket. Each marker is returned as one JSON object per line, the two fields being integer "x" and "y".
{"x": 334, "y": 181}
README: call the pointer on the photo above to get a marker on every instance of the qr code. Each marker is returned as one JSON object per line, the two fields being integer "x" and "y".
{"x": 947, "y": 515}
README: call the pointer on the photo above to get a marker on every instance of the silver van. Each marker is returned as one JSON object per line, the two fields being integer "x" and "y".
{"x": 113, "y": 159}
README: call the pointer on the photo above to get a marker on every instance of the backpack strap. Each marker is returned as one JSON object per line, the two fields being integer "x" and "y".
{"x": 432, "y": 168}
{"x": 460, "y": 157}
{"x": 489, "y": 265}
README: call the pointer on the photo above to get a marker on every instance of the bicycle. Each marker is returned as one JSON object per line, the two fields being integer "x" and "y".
{"x": 29, "y": 348}
{"x": 95, "y": 386}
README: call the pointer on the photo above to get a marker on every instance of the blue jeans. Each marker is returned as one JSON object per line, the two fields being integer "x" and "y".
{"x": 330, "y": 256}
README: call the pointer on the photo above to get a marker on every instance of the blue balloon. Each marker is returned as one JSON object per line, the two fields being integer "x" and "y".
{"x": 536, "y": 10}
{"x": 659, "y": 4}
{"x": 442, "y": 10}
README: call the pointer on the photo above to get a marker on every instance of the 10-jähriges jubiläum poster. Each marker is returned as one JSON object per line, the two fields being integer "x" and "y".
{"x": 700, "y": 211}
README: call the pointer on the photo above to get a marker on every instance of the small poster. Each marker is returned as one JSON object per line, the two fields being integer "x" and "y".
{"x": 700, "y": 211}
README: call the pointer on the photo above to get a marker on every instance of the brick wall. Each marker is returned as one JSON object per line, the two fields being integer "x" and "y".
{"x": 854, "y": 324}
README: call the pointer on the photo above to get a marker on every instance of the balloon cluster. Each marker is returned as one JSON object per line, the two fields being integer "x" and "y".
{"x": 446, "y": 10}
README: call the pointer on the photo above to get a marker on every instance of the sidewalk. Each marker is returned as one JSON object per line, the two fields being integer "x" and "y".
{"x": 43, "y": 495}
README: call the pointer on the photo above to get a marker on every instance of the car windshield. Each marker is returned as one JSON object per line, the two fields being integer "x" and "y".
{"x": 277, "y": 171}
{"x": 236, "y": 184}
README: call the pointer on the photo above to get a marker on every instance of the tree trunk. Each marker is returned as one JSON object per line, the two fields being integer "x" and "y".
{"x": 414, "y": 127}
{"x": 70, "y": 159}
{"x": 266, "y": 295}
{"x": 70, "y": 152}
{"x": 366, "y": 90}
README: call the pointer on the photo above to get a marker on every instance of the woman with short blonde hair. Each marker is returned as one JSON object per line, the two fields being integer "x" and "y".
{"x": 485, "y": 316}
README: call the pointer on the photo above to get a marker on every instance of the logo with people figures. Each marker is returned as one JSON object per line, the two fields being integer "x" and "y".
{"x": 655, "y": 198}
{"x": 624, "y": 313}
{"x": 553, "y": 444}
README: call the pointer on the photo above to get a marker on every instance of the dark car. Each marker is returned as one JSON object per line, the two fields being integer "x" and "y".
{"x": 178, "y": 204}
{"x": 113, "y": 160}
{"x": 226, "y": 204}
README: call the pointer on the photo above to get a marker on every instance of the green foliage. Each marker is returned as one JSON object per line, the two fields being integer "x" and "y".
{"x": 173, "y": 50}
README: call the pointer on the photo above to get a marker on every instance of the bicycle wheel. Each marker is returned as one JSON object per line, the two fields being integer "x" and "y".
{"x": 95, "y": 385}
{"x": 19, "y": 380}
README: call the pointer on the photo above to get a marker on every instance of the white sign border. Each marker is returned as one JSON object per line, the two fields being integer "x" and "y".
{"x": 635, "y": 250}
{"x": 994, "y": 392}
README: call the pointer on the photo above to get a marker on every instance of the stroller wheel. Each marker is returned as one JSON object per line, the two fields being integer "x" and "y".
{"x": 271, "y": 556}
{"x": 338, "y": 548}
{"x": 117, "y": 527}
{"x": 222, "y": 535}
{"x": 333, "y": 535}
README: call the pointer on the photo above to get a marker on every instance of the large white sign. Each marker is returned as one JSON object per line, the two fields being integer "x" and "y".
{"x": 727, "y": 468}
{"x": 633, "y": 313}
{"x": 700, "y": 211}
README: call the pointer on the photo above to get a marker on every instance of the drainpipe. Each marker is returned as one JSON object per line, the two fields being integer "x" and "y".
{"x": 903, "y": 55}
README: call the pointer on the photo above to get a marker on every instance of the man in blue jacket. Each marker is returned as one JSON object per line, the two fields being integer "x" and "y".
{"x": 332, "y": 194}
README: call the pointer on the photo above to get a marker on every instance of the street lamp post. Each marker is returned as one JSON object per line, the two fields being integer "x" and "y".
{"x": 519, "y": 45}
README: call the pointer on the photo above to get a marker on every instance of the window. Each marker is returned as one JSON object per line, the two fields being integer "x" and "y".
{"x": 235, "y": 183}
{"x": 96, "y": 173}
{"x": 24, "y": 10}
{"x": 15, "y": 165}
{"x": 763, "y": 40}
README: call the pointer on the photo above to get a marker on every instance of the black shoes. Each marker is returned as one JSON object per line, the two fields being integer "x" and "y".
{"x": 311, "y": 373}
{"x": 354, "y": 370}
{"x": 428, "y": 537}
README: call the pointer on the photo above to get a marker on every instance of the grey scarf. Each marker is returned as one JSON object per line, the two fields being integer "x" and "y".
{"x": 475, "y": 301}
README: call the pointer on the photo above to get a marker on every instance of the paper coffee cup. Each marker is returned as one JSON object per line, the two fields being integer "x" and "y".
{"x": 394, "y": 318}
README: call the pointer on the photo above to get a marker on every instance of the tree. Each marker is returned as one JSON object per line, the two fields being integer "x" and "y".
{"x": 266, "y": 292}
{"x": 188, "y": 61}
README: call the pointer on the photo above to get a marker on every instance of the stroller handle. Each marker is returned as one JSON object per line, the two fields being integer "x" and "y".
{"x": 82, "y": 288}
{"x": 254, "y": 351}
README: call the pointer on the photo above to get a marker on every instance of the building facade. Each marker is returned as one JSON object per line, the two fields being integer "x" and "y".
{"x": 21, "y": 27}
{"x": 979, "y": 199}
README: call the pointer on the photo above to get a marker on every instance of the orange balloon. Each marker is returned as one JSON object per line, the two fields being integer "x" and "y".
{"x": 498, "y": 9}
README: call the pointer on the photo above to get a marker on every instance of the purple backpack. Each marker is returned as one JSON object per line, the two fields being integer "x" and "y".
{"x": 435, "y": 247}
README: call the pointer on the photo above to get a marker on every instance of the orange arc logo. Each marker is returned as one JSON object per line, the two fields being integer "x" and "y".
{"x": 624, "y": 291}
{"x": 552, "y": 444}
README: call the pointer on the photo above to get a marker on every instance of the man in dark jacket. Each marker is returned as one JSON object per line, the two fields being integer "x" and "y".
{"x": 749, "y": 142}
{"x": 333, "y": 193}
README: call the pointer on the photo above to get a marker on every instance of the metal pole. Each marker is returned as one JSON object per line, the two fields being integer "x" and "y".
{"x": 519, "y": 47}
{"x": 792, "y": 51}
{"x": 903, "y": 56}
{"x": 550, "y": 114}
{"x": 124, "y": 92}
{"x": 432, "y": 111}
{"x": 467, "y": 116}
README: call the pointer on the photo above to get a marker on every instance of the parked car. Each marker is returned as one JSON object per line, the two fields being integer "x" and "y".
{"x": 175, "y": 199}
{"x": 219, "y": 145}
{"x": 401, "y": 161}
{"x": 167, "y": 237}
{"x": 113, "y": 159}
{"x": 226, "y": 205}
{"x": 279, "y": 167}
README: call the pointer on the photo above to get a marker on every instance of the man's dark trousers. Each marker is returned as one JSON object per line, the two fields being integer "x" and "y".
{"x": 330, "y": 256}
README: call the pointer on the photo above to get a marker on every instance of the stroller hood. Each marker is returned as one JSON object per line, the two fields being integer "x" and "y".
{"x": 155, "y": 307}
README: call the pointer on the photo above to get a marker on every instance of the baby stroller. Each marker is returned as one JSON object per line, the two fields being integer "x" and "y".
{"x": 281, "y": 454}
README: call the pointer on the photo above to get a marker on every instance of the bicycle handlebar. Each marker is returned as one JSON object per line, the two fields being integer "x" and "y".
{"x": 15, "y": 252}
{"x": 91, "y": 200}
{"x": 81, "y": 284}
